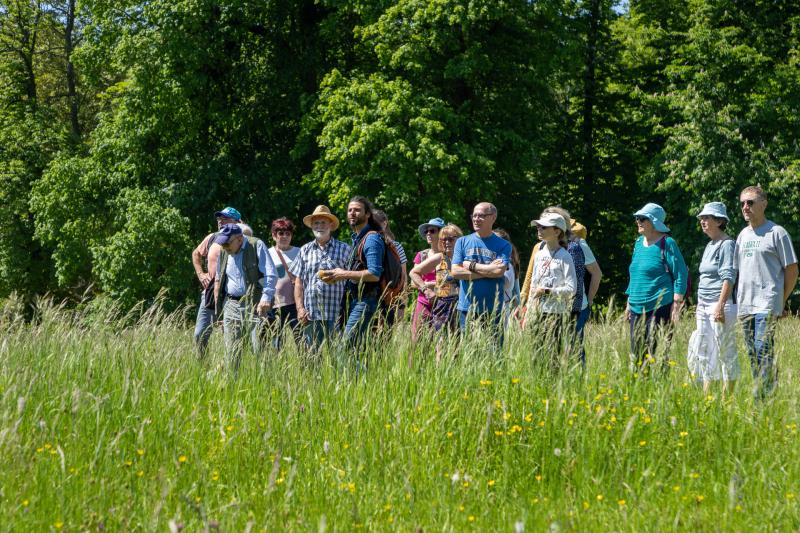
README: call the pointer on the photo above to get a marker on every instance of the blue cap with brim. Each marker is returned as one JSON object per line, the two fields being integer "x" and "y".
{"x": 227, "y": 232}
{"x": 656, "y": 214}
{"x": 229, "y": 212}
{"x": 432, "y": 223}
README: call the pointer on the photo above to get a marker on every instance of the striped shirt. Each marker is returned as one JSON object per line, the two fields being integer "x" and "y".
{"x": 322, "y": 300}
{"x": 401, "y": 253}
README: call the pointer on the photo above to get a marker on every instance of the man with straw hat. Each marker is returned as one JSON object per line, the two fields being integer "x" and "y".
{"x": 318, "y": 298}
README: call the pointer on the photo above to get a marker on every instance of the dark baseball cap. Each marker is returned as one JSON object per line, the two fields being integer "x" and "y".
{"x": 227, "y": 232}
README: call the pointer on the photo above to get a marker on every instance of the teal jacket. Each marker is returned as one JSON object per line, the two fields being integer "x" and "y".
{"x": 650, "y": 284}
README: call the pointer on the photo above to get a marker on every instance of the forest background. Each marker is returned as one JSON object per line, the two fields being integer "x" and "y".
{"x": 125, "y": 124}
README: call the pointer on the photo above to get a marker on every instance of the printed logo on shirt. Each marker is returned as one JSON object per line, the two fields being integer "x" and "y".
{"x": 749, "y": 248}
{"x": 480, "y": 254}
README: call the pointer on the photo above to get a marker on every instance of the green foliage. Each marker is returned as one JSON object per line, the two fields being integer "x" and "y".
{"x": 426, "y": 106}
{"x": 136, "y": 261}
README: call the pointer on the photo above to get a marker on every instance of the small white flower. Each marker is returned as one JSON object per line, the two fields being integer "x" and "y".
{"x": 519, "y": 526}
{"x": 456, "y": 477}
{"x": 326, "y": 447}
{"x": 557, "y": 452}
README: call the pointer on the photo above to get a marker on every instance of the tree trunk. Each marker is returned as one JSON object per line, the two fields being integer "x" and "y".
{"x": 589, "y": 99}
{"x": 72, "y": 94}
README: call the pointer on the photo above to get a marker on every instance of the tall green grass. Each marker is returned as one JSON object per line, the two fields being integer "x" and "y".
{"x": 109, "y": 422}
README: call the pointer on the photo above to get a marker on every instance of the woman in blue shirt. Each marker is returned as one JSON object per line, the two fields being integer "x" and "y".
{"x": 712, "y": 348}
{"x": 657, "y": 286}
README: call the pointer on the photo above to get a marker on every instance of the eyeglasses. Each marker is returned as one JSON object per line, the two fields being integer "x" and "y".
{"x": 479, "y": 216}
{"x": 641, "y": 218}
{"x": 431, "y": 231}
{"x": 283, "y": 232}
{"x": 748, "y": 202}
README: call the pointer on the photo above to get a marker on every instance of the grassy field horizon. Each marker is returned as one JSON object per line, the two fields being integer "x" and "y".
{"x": 112, "y": 424}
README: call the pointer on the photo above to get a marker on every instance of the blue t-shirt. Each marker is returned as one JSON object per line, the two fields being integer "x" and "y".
{"x": 481, "y": 295}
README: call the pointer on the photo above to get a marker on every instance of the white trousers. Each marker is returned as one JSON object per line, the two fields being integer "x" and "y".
{"x": 712, "y": 346}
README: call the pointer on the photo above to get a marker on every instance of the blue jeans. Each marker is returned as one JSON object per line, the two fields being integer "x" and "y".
{"x": 759, "y": 339}
{"x": 203, "y": 326}
{"x": 581, "y": 318}
{"x": 359, "y": 319}
{"x": 492, "y": 320}
{"x": 316, "y": 331}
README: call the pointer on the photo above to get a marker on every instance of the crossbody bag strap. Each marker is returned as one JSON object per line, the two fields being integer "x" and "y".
{"x": 292, "y": 277}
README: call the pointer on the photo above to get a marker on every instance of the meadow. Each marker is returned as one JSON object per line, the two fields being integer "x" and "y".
{"x": 110, "y": 423}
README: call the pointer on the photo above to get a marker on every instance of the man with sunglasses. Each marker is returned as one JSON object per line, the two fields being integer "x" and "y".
{"x": 207, "y": 252}
{"x": 768, "y": 271}
{"x": 480, "y": 261}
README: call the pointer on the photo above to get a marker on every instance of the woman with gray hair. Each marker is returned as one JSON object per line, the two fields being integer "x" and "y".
{"x": 712, "y": 347}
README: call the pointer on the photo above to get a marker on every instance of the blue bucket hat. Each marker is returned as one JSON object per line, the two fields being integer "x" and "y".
{"x": 656, "y": 214}
{"x": 227, "y": 232}
{"x": 432, "y": 223}
{"x": 714, "y": 209}
{"x": 229, "y": 212}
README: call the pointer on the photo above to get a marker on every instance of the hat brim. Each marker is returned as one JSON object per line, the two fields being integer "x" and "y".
{"x": 546, "y": 224}
{"x": 423, "y": 228}
{"x": 308, "y": 219}
{"x": 220, "y": 214}
{"x": 657, "y": 224}
{"x": 712, "y": 214}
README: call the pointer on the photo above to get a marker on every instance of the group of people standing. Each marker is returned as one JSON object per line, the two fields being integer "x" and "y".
{"x": 746, "y": 280}
{"x": 328, "y": 286}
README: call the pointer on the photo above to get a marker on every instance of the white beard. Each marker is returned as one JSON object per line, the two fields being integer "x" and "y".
{"x": 321, "y": 234}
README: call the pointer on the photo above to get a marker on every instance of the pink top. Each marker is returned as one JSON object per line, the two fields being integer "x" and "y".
{"x": 430, "y": 276}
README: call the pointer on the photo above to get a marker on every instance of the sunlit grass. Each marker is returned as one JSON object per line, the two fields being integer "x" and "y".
{"x": 105, "y": 426}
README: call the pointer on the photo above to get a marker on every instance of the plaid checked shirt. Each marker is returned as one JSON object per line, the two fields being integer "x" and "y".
{"x": 323, "y": 301}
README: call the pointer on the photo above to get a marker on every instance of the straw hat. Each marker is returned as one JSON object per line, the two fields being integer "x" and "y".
{"x": 324, "y": 212}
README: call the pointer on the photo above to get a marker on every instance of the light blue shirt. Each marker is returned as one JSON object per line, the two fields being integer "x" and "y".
{"x": 716, "y": 267}
{"x": 234, "y": 270}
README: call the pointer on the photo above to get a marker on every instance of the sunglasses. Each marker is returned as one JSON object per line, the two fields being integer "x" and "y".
{"x": 431, "y": 231}
{"x": 480, "y": 216}
{"x": 640, "y": 218}
{"x": 748, "y": 203}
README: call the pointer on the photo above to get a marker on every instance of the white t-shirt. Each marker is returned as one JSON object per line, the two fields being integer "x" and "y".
{"x": 284, "y": 290}
{"x": 762, "y": 255}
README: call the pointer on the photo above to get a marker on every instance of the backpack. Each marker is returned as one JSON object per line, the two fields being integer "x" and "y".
{"x": 392, "y": 282}
{"x": 662, "y": 245}
{"x": 579, "y": 259}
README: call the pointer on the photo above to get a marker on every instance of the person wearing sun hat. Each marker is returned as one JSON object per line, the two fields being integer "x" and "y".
{"x": 553, "y": 284}
{"x": 658, "y": 279}
{"x": 712, "y": 346}
{"x": 429, "y": 232}
{"x": 319, "y": 301}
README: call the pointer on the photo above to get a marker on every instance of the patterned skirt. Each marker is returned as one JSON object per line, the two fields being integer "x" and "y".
{"x": 443, "y": 312}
